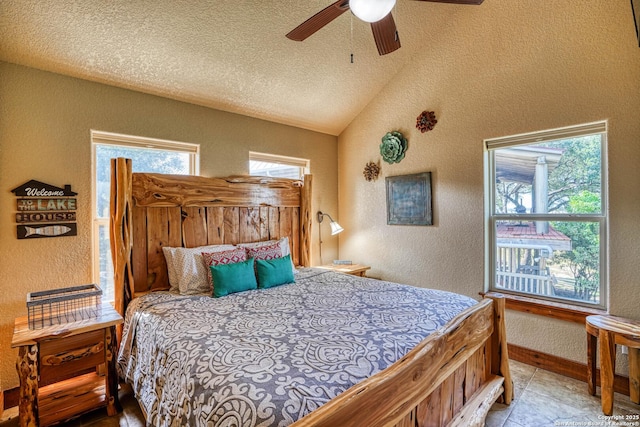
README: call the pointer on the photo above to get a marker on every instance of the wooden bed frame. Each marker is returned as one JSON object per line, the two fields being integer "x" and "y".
{"x": 451, "y": 378}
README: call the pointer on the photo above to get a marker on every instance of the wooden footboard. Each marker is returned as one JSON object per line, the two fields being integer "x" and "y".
{"x": 451, "y": 378}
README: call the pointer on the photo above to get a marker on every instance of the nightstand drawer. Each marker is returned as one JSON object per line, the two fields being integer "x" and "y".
{"x": 63, "y": 358}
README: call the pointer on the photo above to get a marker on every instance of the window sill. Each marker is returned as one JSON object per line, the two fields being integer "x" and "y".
{"x": 555, "y": 310}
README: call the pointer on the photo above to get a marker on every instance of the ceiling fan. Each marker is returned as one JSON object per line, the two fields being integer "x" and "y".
{"x": 377, "y": 12}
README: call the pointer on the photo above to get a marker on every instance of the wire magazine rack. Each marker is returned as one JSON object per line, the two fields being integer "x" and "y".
{"x": 64, "y": 305}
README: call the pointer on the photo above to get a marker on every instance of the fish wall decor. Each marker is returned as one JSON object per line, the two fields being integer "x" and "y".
{"x": 48, "y": 230}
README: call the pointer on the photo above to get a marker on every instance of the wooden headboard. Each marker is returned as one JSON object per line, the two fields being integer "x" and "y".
{"x": 149, "y": 211}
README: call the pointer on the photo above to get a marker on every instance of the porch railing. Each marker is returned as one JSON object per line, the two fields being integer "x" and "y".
{"x": 523, "y": 282}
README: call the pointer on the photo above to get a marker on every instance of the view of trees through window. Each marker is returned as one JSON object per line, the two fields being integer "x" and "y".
{"x": 276, "y": 170}
{"x": 549, "y": 211}
{"x": 276, "y": 166}
{"x": 143, "y": 160}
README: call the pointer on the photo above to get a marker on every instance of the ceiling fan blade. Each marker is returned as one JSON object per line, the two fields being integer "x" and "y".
{"x": 318, "y": 20}
{"x": 456, "y": 1}
{"x": 386, "y": 35}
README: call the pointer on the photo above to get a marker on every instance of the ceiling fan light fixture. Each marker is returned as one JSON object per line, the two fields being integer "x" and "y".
{"x": 371, "y": 10}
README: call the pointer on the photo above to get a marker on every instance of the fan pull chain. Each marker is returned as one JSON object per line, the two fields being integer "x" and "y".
{"x": 351, "y": 41}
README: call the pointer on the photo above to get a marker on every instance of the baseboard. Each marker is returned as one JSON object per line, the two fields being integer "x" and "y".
{"x": 561, "y": 366}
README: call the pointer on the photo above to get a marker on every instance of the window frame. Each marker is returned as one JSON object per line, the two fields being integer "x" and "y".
{"x": 601, "y": 218}
{"x": 303, "y": 164}
{"x": 115, "y": 139}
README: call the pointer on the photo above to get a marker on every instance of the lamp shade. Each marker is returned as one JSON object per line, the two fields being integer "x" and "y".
{"x": 371, "y": 10}
{"x": 335, "y": 228}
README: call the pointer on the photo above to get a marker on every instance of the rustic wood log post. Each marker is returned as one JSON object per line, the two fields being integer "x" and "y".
{"x": 305, "y": 222}
{"x": 499, "y": 352}
{"x": 607, "y": 369}
{"x": 27, "y": 366}
{"x": 120, "y": 233}
{"x": 634, "y": 374}
{"x": 111, "y": 390}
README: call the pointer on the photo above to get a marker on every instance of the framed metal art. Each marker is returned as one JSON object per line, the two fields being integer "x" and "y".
{"x": 409, "y": 199}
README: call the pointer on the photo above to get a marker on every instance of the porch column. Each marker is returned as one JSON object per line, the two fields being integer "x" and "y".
{"x": 541, "y": 193}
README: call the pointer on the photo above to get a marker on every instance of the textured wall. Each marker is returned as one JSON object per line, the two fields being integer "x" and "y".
{"x": 232, "y": 57}
{"x": 45, "y": 120}
{"x": 510, "y": 67}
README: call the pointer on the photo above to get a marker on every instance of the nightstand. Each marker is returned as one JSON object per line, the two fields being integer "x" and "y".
{"x": 353, "y": 269}
{"x": 67, "y": 369}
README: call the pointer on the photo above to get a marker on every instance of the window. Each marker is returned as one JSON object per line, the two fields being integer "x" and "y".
{"x": 547, "y": 214}
{"x": 261, "y": 164}
{"x": 147, "y": 155}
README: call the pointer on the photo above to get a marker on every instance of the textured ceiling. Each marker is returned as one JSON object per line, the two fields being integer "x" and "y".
{"x": 230, "y": 55}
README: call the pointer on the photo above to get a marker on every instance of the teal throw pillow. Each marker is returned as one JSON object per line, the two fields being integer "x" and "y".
{"x": 274, "y": 272}
{"x": 232, "y": 278}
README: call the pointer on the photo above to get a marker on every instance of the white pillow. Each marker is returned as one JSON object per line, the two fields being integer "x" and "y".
{"x": 284, "y": 247}
{"x": 186, "y": 270}
{"x": 171, "y": 269}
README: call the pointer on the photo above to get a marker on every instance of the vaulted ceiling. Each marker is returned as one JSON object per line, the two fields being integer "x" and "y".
{"x": 226, "y": 54}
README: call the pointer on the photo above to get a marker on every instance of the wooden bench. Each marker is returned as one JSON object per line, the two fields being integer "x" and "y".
{"x": 612, "y": 331}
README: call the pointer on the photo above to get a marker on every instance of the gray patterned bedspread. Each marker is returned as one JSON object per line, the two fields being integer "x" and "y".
{"x": 270, "y": 356}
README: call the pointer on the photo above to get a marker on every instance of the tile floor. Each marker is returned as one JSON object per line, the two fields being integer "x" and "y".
{"x": 541, "y": 399}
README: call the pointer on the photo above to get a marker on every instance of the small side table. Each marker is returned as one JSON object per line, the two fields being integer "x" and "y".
{"x": 353, "y": 269}
{"x": 612, "y": 331}
{"x": 67, "y": 369}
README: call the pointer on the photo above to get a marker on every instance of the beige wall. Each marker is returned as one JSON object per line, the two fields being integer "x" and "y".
{"x": 509, "y": 67}
{"x": 45, "y": 120}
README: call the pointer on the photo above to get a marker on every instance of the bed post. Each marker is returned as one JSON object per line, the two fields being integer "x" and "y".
{"x": 305, "y": 222}
{"x": 499, "y": 352}
{"x": 120, "y": 233}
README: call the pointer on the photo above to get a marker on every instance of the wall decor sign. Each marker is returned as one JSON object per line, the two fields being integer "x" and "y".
{"x": 53, "y": 204}
{"x": 45, "y": 210}
{"x": 45, "y": 217}
{"x": 409, "y": 199}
